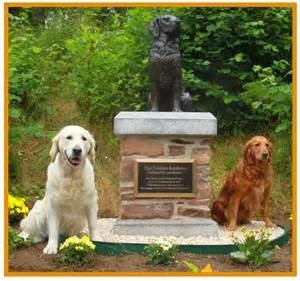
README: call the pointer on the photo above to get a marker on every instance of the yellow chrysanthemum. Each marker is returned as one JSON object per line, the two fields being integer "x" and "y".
{"x": 74, "y": 240}
{"x": 79, "y": 248}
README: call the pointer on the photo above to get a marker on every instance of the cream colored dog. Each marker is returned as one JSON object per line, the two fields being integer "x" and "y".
{"x": 70, "y": 202}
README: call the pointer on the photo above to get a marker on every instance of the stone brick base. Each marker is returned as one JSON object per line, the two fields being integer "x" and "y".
{"x": 171, "y": 135}
{"x": 137, "y": 147}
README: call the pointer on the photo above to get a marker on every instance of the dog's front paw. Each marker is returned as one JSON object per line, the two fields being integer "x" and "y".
{"x": 270, "y": 224}
{"x": 231, "y": 226}
{"x": 51, "y": 248}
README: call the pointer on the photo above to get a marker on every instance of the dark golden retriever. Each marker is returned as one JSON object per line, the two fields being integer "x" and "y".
{"x": 247, "y": 187}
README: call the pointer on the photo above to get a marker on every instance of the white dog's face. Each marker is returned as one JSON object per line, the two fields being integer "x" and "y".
{"x": 75, "y": 144}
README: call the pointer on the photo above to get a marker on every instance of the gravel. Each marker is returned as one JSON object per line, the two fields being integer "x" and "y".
{"x": 106, "y": 226}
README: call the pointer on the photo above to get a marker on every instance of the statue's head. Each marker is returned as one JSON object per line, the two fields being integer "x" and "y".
{"x": 165, "y": 24}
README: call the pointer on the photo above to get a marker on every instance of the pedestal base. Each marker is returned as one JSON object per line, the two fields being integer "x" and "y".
{"x": 186, "y": 227}
{"x": 160, "y": 137}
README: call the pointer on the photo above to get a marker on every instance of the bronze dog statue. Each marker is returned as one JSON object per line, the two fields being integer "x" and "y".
{"x": 165, "y": 67}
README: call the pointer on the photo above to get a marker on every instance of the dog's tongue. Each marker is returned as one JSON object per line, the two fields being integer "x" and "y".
{"x": 75, "y": 161}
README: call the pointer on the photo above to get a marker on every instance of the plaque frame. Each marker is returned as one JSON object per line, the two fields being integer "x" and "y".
{"x": 164, "y": 194}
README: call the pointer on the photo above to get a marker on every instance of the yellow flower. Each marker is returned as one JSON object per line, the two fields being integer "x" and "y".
{"x": 207, "y": 268}
{"x": 86, "y": 240}
{"x": 291, "y": 217}
{"x": 242, "y": 229}
{"x": 249, "y": 234}
{"x": 17, "y": 205}
{"x": 74, "y": 240}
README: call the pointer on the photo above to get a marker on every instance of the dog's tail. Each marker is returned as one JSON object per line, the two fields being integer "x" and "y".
{"x": 218, "y": 212}
{"x": 35, "y": 224}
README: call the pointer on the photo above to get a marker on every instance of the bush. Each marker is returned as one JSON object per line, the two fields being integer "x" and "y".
{"x": 75, "y": 249}
{"x": 225, "y": 49}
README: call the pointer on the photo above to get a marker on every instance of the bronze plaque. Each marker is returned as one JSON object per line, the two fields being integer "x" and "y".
{"x": 164, "y": 178}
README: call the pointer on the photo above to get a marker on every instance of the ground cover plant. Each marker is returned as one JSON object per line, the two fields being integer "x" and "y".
{"x": 162, "y": 251}
{"x": 254, "y": 247}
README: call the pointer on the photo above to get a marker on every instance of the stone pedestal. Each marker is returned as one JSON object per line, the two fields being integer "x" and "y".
{"x": 164, "y": 135}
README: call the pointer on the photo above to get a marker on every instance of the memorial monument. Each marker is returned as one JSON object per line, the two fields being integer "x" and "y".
{"x": 165, "y": 153}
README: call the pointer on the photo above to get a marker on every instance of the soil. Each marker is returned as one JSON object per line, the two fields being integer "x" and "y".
{"x": 32, "y": 259}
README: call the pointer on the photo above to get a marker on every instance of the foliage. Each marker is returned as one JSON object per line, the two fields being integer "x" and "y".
{"x": 254, "y": 247}
{"x": 15, "y": 241}
{"x": 76, "y": 249}
{"x": 17, "y": 208}
{"x": 225, "y": 49}
{"x": 194, "y": 268}
{"x": 236, "y": 62}
{"x": 109, "y": 64}
{"x": 162, "y": 251}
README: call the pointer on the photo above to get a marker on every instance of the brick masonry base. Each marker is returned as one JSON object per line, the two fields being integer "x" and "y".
{"x": 135, "y": 147}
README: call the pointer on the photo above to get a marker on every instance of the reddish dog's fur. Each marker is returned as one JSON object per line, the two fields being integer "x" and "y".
{"x": 247, "y": 187}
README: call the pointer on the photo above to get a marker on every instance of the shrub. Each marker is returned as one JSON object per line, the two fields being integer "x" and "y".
{"x": 15, "y": 241}
{"x": 161, "y": 251}
{"x": 17, "y": 209}
{"x": 254, "y": 247}
{"x": 76, "y": 249}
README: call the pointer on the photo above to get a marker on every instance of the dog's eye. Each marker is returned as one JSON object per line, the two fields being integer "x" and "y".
{"x": 69, "y": 137}
{"x": 257, "y": 144}
{"x": 83, "y": 138}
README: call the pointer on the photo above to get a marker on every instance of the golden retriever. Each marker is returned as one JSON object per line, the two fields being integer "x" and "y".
{"x": 70, "y": 202}
{"x": 247, "y": 187}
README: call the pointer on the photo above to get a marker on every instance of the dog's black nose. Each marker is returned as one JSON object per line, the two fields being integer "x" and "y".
{"x": 77, "y": 151}
{"x": 265, "y": 155}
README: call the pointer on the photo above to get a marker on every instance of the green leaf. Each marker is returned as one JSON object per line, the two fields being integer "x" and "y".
{"x": 15, "y": 113}
{"x": 283, "y": 126}
{"x": 192, "y": 267}
{"x": 238, "y": 257}
{"x": 206, "y": 62}
{"x": 256, "y": 68}
{"x": 224, "y": 71}
{"x": 239, "y": 57}
{"x": 256, "y": 104}
{"x": 36, "y": 50}
{"x": 228, "y": 99}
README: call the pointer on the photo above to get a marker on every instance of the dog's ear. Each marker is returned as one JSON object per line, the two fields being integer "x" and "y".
{"x": 55, "y": 147}
{"x": 249, "y": 155}
{"x": 154, "y": 27}
{"x": 91, "y": 153}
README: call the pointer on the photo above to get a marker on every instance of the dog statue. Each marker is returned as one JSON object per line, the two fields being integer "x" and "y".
{"x": 166, "y": 93}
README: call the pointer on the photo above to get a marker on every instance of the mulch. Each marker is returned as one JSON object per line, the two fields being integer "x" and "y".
{"x": 32, "y": 259}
